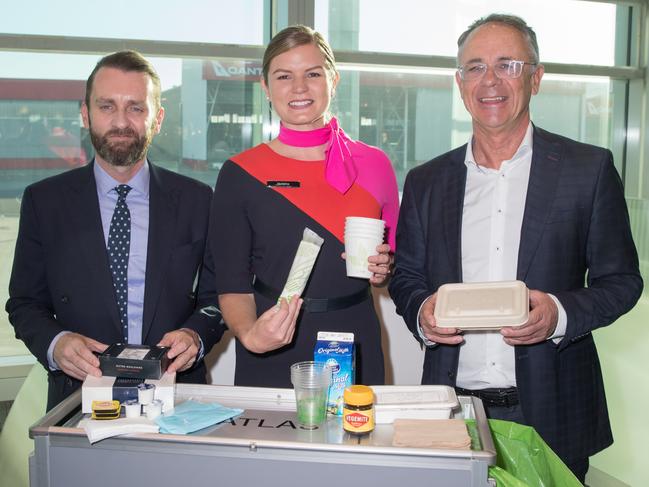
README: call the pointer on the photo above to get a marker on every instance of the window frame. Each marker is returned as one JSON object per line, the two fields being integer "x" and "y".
{"x": 629, "y": 118}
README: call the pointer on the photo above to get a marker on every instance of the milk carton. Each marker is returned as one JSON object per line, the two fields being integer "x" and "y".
{"x": 337, "y": 351}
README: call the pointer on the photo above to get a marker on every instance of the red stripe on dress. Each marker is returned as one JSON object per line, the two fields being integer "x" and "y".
{"x": 315, "y": 196}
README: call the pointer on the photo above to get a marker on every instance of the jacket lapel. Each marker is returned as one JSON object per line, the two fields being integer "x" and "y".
{"x": 162, "y": 223}
{"x": 544, "y": 176}
{"x": 453, "y": 205}
{"x": 85, "y": 219}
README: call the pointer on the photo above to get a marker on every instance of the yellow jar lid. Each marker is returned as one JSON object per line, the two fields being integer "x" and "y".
{"x": 358, "y": 395}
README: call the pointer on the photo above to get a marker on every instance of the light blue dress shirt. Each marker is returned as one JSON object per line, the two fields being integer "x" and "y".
{"x": 137, "y": 201}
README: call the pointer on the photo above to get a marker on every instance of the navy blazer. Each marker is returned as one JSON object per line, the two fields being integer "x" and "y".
{"x": 575, "y": 230}
{"x": 61, "y": 278}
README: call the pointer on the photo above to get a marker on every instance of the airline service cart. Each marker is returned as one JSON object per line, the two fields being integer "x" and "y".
{"x": 261, "y": 447}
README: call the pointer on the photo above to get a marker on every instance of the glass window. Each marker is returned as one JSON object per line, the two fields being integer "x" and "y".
{"x": 415, "y": 115}
{"x": 216, "y": 108}
{"x": 222, "y": 21}
{"x": 578, "y": 107}
{"x": 213, "y": 108}
{"x": 217, "y": 112}
{"x": 407, "y": 113}
{"x": 432, "y": 28}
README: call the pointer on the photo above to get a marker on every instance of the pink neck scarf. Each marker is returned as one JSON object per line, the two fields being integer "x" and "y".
{"x": 340, "y": 170}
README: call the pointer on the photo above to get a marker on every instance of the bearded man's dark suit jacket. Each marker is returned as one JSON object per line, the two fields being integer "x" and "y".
{"x": 575, "y": 230}
{"x": 61, "y": 278}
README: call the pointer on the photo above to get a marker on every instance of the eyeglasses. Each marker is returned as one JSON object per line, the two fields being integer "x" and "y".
{"x": 510, "y": 69}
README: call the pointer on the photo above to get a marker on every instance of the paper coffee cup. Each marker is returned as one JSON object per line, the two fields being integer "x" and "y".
{"x": 362, "y": 236}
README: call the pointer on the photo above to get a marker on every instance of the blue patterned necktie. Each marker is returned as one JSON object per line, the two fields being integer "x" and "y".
{"x": 119, "y": 244}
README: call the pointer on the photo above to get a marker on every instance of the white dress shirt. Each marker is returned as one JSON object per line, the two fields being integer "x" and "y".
{"x": 494, "y": 202}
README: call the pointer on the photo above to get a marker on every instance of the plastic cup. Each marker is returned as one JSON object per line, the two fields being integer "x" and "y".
{"x": 133, "y": 408}
{"x": 362, "y": 236}
{"x": 311, "y": 382}
{"x": 145, "y": 393}
{"x": 154, "y": 409}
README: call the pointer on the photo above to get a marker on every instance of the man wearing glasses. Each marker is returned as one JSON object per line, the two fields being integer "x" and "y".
{"x": 518, "y": 202}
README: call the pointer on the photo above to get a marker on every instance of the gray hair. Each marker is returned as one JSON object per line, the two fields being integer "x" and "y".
{"x": 510, "y": 20}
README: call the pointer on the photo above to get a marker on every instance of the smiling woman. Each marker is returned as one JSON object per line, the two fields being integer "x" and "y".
{"x": 312, "y": 175}
{"x": 299, "y": 87}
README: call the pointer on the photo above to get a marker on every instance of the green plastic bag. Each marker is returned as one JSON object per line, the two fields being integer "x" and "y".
{"x": 504, "y": 479}
{"x": 523, "y": 458}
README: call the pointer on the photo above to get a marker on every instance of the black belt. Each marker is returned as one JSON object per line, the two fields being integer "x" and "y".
{"x": 316, "y": 305}
{"x": 493, "y": 397}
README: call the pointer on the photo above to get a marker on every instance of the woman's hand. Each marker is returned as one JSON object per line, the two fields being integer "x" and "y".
{"x": 270, "y": 331}
{"x": 380, "y": 265}
{"x": 274, "y": 328}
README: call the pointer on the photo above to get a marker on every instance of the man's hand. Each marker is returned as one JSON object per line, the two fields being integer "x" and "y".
{"x": 273, "y": 329}
{"x": 447, "y": 336}
{"x": 73, "y": 353}
{"x": 541, "y": 324}
{"x": 380, "y": 265}
{"x": 184, "y": 345}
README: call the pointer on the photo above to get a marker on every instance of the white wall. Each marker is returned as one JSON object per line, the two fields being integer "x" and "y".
{"x": 403, "y": 356}
{"x": 624, "y": 355}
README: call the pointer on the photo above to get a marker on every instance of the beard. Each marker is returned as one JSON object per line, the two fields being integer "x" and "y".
{"x": 123, "y": 153}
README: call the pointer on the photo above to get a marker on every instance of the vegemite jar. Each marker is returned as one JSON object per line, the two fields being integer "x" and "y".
{"x": 358, "y": 410}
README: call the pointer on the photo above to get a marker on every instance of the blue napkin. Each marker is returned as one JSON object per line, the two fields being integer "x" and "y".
{"x": 192, "y": 416}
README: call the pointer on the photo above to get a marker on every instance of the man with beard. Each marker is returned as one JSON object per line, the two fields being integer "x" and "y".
{"x": 115, "y": 251}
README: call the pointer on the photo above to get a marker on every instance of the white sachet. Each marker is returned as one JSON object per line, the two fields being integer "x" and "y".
{"x": 302, "y": 266}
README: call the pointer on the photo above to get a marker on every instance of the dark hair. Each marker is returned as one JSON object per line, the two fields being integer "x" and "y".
{"x": 510, "y": 20}
{"x": 126, "y": 61}
{"x": 294, "y": 36}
